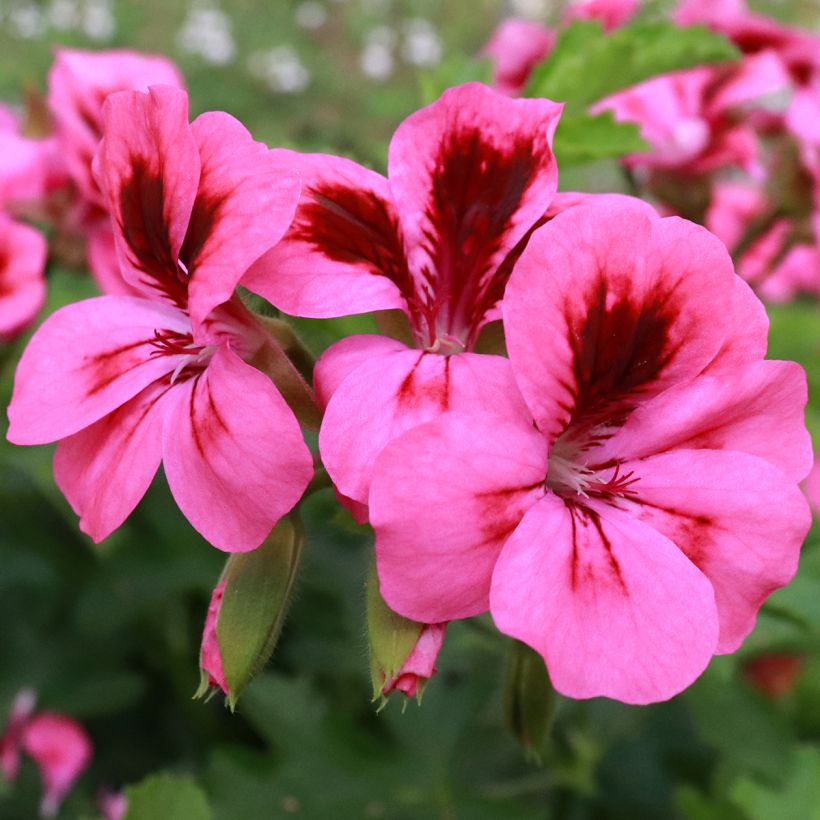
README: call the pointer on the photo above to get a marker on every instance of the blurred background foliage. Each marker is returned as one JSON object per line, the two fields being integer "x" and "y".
{"x": 110, "y": 634}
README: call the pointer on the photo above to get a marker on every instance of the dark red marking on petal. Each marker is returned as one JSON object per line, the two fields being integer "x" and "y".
{"x": 477, "y": 188}
{"x": 501, "y": 510}
{"x": 108, "y": 365}
{"x": 142, "y": 223}
{"x": 195, "y": 431}
{"x": 213, "y": 410}
{"x": 204, "y": 216}
{"x": 586, "y": 517}
{"x": 414, "y": 392}
{"x": 690, "y": 533}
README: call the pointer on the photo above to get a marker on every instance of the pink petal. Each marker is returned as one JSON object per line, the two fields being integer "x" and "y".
{"x": 737, "y": 518}
{"x": 22, "y": 283}
{"x": 342, "y": 358}
{"x": 608, "y": 303}
{"x": 210, "y": 655}
{"x": 233, "y": 453}
{"x": 397, "y": 390}
{"x": 343, "y": 253}
{"x": 611, "y": 13}
{"x": 86, "y": 360}
{"x": 148, "y": 168}
{"x": 78, "y": 84}
{"x": 444, "y": 499}
{"x": 612, "y": 605}
{"x": 246, "y": 200}
{"x": 733, "y": 209}
{"x": 797, "y": 272}
{"x": 62, "y": 750}
{"x": 813, "y": 486}
{"x": 515, "y": 48}
{"x": 472, "y": 172}
{"x": 101, "y": 251}
{"x": 755, "y": 78}
{"x": 105, "y": 469}
{"x": 420, "y": 664}
{"x": 19, "y": 714}
{"x": 757, "y": 408}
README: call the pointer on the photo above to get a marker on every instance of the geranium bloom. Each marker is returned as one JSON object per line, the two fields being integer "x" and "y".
{"x": 22, "y": 286}
{"x": 515, "y": 48}
{"x": 631, "y": 524}
{"x": 123, "y": 383}
{"x": 468, "y": 179}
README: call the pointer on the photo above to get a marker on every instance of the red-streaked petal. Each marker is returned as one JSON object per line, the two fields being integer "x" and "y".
{"x": 101, "y": 252}
{"x": 395, "y": 391}
{"x": 757, "y": 408}
{"x": 148, "y": 169}
{"x": 233, "y": 453}
{"x": 609, "y": 305}
{"x": 343, "y": 253}
{"x": 246, "y": 200}
{"x": 612, "y": 605}
{"x": 22, "y": 284}
{"x": 342, "y": 358}
{"x": 445, "y": 497}
{"x": 471, "y": 174}
{"x": 105, "y": 470}
{"x": 737, "y": 518}
{"x": 86, "y": 360}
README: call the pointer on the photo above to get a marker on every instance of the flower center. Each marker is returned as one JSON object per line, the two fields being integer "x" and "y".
{"x": 192, "y": 357}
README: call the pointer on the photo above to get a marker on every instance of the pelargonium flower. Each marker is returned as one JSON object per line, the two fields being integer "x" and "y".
{"x": 124, "y": 383}
{"x": 515, "y": 47}
{"x": 469, "y": 177}
{"x": 22, "y": 285}
{"x": 630, "y": 525}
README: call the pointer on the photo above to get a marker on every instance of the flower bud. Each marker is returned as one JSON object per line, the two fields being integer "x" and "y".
{"x": 773, "y": 675}
{"x": 247, "y": 610}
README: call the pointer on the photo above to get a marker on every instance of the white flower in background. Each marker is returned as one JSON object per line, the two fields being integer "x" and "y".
{"x": 27, "y": 21}
{"x": 311, "y": 15}
{"x": 206, "y": 31}
{"x": 422, "y": 45}
{"x": 98, "y": 21}
{"x": 63, "y": 14}
{"x": 533, "y": 9}
{"x": 280, "y": 69}
{"x": 376, "y": 60}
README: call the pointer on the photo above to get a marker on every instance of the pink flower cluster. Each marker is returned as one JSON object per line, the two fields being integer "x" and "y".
{"x": 571, "y": 425}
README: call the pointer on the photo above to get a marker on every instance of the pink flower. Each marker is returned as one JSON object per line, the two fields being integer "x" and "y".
{"x": 515, "y": 48}
{"x": 420, "y": 664}
{"x": 611, "y": 13}
{"x": 62, "y": 750}
{"x": 634, "y": 529}
{"x": 210, "y": 656}
{"x": 11, "y": 738}
{"x": 124, "y": 383}
{"x": 22, "y": 285}
{"x": 469, "y": 177}
{"x": 112, "y": 805}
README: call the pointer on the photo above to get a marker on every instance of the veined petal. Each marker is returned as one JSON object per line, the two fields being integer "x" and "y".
{"x": 233, "y": 453}
{"x": 735, "y": 516}
{"x": 148, "y": 168}
{"x": 245, "y": 202}
{"x": 609, "y": 304}
{"x": 756, "y": 408}
{"x": 344, "y": 253}
{"x": 105, "y": 469}
{"x": 445, "y": 497}
{"x": 395, "y": 391}
{"x": 342, "y": 358}
{"x": 22, "y": 284}
{"x": 472, "y": 173}
{"x": 612, "y": 605}
{"x": 86, "y": 360}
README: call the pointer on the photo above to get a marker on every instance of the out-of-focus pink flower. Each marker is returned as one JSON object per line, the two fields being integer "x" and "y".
{"x": 631, "y": 523}
{"x": 469, "y": 177}
{"x": 112, "y": 805}
{"x": 773, "y": 675}
{"x": 612, "y": 14}
{"x": 22, "y": 284}
{"x": 124, "y": 383}
{"x": 11, "y": 738}
{"x": 62, "y": 749}
{"x": 210, "y": 656}
{"x": 515, "y": 48}
{"x": 420, "y": 664}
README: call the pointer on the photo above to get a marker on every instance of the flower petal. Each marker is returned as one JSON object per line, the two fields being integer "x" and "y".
{"x": 105, "y": 470}
{"x": 343, "y": 253}
{"x": 245, "y": 202}
{"x": 397, "y": 390}
{"x": 445, "y": 496}
{"x": 737, "y": 518}
{"x": 148, "y": 169}
{"x": 233, "y": 453}
{"x": 612, "y": 606}
{"x": 756, "y": 408}
{"x": 22, "y": 284}
{"x": 86, "y": 360}
{"x": 609, "y": 303}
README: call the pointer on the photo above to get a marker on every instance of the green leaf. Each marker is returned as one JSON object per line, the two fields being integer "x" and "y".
{"x": 587, "y": 64}
{"x": 168, "y": 796}
{"x": 258, "y": 589}
{"x": 586, "y": 138}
